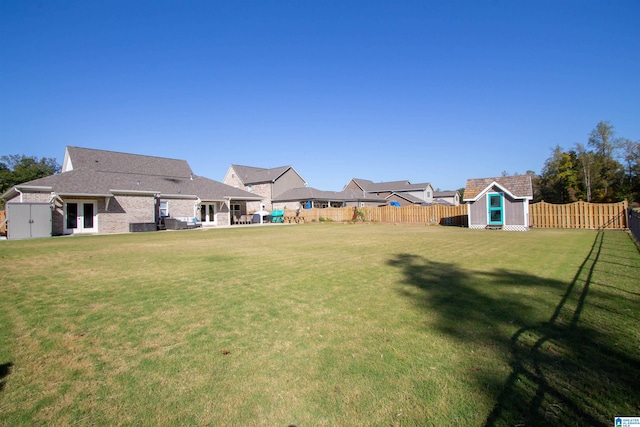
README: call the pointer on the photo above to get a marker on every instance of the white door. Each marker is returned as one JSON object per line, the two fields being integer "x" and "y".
{"x": 80, "y": 216}
{"x": 207, "y": 212}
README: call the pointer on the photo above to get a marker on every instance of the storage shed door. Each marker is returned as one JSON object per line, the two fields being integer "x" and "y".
{"x": 18, "y": 221}
{"x": 41, "y": 220}
{"x": 26, "y": 220}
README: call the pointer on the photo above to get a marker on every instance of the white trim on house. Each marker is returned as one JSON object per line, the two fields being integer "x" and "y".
{"x": 83, "y": 195}
{"x": 489, "y": 187}
{"x": 135, "y": 192}
{"x": 177, "y": 196}
{"x": 18, "y": 189}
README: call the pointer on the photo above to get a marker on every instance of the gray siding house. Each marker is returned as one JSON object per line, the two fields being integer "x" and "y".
{"x": 307, "y": 197}
{"x": 446, "y": 198}
{"x": 104, "y": 192}
{"x": 402, "y": 192}
{"x": 499, "y": 203}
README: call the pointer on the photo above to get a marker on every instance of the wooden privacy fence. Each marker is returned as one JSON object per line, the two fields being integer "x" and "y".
{"x": 436, "y": 214}
{"x": 579, "y": 215}
{"x": 541, "y": 215}
{"x": 3, "y": 222}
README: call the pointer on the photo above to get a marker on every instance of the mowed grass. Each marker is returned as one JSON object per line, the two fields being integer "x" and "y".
{"x": 321, "y": 325}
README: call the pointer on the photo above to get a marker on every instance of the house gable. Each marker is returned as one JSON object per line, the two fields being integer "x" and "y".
{"x": 269, "y": 183}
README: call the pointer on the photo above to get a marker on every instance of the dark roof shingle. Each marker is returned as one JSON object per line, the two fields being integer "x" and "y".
{"x": 518, "y": 185}
{"x": 97, "y": 172}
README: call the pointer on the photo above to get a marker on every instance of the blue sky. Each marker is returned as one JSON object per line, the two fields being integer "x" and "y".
{"x": 429, "y": 91}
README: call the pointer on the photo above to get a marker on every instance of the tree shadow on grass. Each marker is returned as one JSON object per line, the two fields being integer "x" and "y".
{"x": 564, "y": 370}
{"x": 5, "y": 370}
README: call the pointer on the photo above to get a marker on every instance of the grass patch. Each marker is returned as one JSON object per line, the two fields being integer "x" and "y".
{"x": 321, "y": 324}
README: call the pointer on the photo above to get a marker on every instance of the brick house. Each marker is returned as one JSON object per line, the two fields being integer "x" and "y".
{"x": 403, "y": 193}
{"x": 101, "y": 191}
{"x": 307, "y": 197}
{"x": 266, "y": 183}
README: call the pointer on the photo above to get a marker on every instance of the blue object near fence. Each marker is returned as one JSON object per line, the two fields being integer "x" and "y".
{"x": 394, "y": 203}
{"x": 277, "y": 216}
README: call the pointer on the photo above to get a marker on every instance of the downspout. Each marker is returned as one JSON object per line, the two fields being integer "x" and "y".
{"x": 195, "y": 207}
{"x": 156, "y": 209}
{"x": 19, "y": 192}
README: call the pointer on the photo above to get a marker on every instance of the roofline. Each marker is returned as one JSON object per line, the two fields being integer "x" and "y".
{"x": 34, "y": 187}
{"x": 18, "y": 188}
{"x": 273, "y": 180}
{"x": 122, "y": 152}
{"x": 495, "y": 183}
{"x": 283, "y": 172}
{"x": 294, "y": 169}
{"x": 134, "y": 192}
{"x": 355, "y": 181}
{"x": 83, "y": 195}
{"x": 242, "y": 198}
{"x": 394, "y": 193}
{"x": 179, "y": 196}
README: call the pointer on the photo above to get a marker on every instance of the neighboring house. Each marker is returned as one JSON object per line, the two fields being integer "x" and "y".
{"x": 501, "y": 203}
{"x": 446, "y": 198}
{"x": 307, "y": 197}
{"x": 402, "y": 192}
{"x": 104, "y": 192}
{"x": 266, "y": 183}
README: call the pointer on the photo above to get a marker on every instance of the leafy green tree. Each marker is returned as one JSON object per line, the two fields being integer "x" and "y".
{"x": 606, "y": 145}
{"x": 587, "y": 172}
{"x": 631, "y": 152}
{"x": 559, "y": 178}
{"x": 461, "y": 191}
{"x": 16, "y": 169}
{"x": 592, "y": 172}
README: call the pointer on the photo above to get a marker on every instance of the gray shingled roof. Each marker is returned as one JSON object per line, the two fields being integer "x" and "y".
{"x": 376, "y": 187}
{"x": 408, "y": 197}
{"x": 309, "y": 193}
{"x": 89, "y": 177}
{"x": 518, "y": 185}
{"x": 115, "y": 162}
{"x": 444, "y": 193}
{"x": 252, "y": 175}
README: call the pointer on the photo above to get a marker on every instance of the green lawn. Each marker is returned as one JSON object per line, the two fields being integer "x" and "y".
{"x": 321, "y": 324}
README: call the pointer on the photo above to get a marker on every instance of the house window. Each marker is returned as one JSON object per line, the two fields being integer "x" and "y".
{"x": 164, "y": 208}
